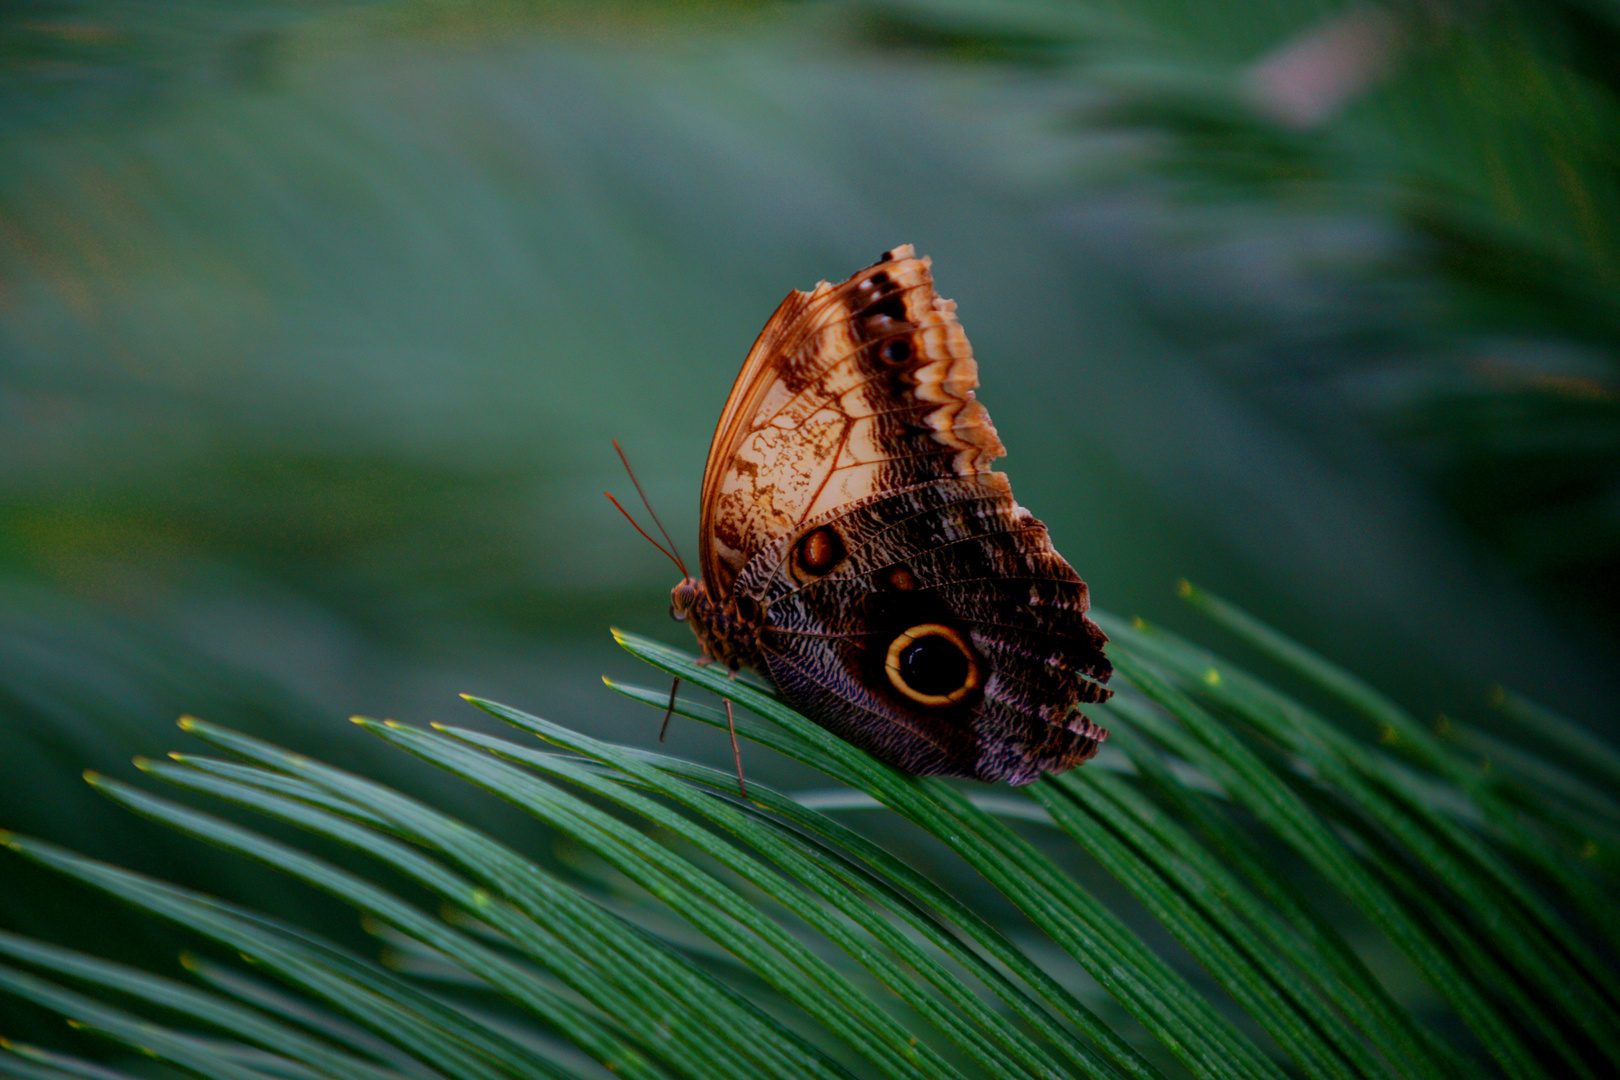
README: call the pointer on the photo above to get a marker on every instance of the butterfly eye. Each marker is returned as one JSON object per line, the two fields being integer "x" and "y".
{"x": 932, "y": 664}
{"x": 682, "y": 598}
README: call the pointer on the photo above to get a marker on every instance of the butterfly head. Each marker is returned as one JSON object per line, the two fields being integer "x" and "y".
{"x": 683, "y": 598}
{"x": 727, "y": 629}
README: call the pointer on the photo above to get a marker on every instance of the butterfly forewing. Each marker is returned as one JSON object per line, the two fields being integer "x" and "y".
{"x": 849, "y": 390}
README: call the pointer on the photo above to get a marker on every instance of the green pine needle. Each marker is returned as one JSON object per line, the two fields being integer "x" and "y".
{"x": 1287, "y": 854}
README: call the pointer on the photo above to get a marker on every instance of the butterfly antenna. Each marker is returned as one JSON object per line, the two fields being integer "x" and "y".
{"x": 672, "y": 552}
{"x": 667, "y": 554}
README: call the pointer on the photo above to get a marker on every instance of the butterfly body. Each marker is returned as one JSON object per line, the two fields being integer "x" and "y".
{"x": 858, "y": 550}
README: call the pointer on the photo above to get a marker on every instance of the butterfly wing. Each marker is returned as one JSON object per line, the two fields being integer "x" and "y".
{"x": 948, "y": 637}
{"x": 850, "y": 389}
{"x": 901, "y": 597}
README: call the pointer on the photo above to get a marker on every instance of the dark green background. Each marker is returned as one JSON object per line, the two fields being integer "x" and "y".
{"x": 316, "y": 320}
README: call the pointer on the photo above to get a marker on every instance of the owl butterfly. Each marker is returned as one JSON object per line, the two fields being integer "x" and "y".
{"x": 858, "y": 550}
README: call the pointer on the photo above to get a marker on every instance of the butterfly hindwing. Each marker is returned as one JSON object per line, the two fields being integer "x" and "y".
{"x": 956, "y": 568}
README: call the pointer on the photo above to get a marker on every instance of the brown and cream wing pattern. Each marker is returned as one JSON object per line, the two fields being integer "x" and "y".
{"x": 860, "y": 551}
{"x": 850, "y": 389}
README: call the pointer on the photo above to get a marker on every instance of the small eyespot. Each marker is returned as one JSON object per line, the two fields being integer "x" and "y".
{"x": 932, "y": 664}
{"x": 889, "y": 306}
{"x": 895, "y": 351}
{"x": 817, "y": 552}
{"x": 898, "y": 577}
{"x": 749, "y": 611}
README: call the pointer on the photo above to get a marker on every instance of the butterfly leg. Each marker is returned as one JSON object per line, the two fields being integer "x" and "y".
{"x": 736, "y": 754}
{"x": 731, "y": 723}
{"x": 703, "y": 661}
{"x": 669, "y": 712}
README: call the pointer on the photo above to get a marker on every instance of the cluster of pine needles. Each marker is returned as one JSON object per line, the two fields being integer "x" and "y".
{"x": 1324, "y": 890}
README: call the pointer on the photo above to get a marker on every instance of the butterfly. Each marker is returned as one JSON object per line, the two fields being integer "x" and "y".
{"x": 859, "y": 552}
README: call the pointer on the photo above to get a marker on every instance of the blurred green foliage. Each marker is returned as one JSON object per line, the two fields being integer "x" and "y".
{"x": 316, "y": 319}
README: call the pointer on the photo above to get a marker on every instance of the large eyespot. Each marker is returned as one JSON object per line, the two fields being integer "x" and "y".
{"x": 932, "y": 664}
{"x": 817, "y": 552}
